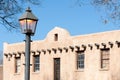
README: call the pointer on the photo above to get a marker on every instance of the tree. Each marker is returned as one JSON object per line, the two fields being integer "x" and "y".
{"x": 109, "y": 9}
{"x": 9, "y": 10}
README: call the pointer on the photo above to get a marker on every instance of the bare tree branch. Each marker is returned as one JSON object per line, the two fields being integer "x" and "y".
{"x": 9, "y": 10}
{"x": 108, "y": 9}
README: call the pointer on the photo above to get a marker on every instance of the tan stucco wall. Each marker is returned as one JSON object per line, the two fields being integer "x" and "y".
{"x": 68, "y": 70}
{"x": 1, "y": 72}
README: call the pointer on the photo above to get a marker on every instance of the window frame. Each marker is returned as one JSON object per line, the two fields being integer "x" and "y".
{"x": 36, "y": 63}
{"x": 56, "y": 37}
{"x": 17, "y": 64}
{"x": 80, "y": 62}
{"x": 104, "y": 59}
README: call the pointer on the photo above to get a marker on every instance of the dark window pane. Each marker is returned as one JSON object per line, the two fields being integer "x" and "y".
{"x": 36, "y": 63}
{"x": 105, "y": 59}
{"x": 80, "y": 60}
{"x": 17, "y": 64}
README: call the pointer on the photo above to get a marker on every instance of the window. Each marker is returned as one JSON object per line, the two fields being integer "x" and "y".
{"x": 105, "y": 54}
{"x": 17, "y": 64}
{"x": 56, "y": 37}
{"x": 36, "y": 63}
{"x": 80, "y": 60}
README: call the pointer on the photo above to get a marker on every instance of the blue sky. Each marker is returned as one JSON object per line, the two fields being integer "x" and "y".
{"x": 63, "y": 13}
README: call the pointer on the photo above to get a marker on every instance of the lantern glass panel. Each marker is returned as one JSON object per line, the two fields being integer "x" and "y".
{"x": 28, "y": 26}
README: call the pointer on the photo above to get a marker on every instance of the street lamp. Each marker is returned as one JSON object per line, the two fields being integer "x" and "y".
{"x": 28, "y": 24}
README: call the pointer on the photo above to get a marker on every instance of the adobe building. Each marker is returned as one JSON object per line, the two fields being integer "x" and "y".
{"x": 61, "y": 56}
{"x": 1, "y": 72}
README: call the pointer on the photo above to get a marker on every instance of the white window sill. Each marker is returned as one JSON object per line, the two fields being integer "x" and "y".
{"x": 36, "y": 72}
{"x": 103, "y": 69}
{"x": 17, "y": 73}
{"x": 79, "y": 70}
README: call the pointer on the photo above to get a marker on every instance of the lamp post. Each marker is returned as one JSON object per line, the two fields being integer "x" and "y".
{"x": 28, "y": 24}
